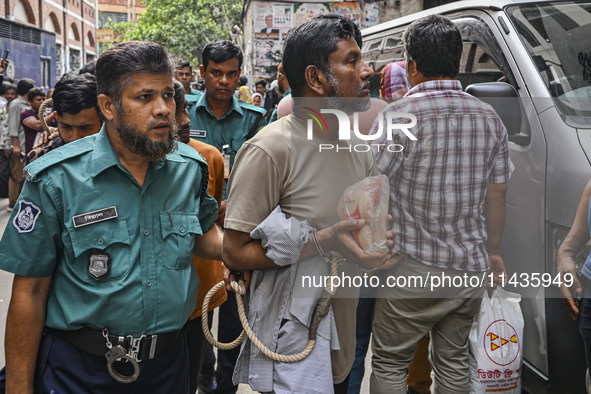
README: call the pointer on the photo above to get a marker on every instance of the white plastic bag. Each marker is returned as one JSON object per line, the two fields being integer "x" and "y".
{"x": 496, "y": 345}
{"x": 368, "y": 199}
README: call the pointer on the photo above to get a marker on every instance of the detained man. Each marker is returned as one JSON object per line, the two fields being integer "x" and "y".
{"x": 283, "y": 184}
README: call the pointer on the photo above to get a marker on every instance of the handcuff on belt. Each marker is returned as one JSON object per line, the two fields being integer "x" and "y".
{"x": 119, "y": 353}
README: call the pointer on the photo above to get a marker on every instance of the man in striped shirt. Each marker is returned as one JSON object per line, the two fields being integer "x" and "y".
{"x": 447, "y": 200}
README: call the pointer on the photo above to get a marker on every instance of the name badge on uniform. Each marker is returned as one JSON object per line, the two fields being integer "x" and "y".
{"x": 84, "y": 219}
{"x": 99, "y": 264}
{"x": 198, "y": 133}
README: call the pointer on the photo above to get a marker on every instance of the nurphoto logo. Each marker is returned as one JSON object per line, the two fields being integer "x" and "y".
{"x": 393, "y": 121}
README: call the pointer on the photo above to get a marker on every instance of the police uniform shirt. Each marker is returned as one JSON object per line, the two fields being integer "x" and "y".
{"x": 119, "y": 254}
{"x": 239, "y": 123}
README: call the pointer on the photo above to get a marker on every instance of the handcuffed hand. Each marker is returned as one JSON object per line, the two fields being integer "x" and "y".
{"x": 235, "y": 276}
{"x": 44, "y": 138}
{"x": 338, "y": 238}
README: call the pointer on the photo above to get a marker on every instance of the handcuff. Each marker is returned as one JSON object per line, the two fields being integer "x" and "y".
{"x": 119, "y": 353}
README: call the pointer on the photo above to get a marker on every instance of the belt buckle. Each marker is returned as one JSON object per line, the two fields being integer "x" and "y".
{"x": 136, "y": 343}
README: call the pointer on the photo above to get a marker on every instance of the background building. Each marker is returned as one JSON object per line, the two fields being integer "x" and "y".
{"x": 263, "y": 44}
{"x": 115, "y": 11}
{"x": 119, "y": 11}
{"x": 47, "y": 38}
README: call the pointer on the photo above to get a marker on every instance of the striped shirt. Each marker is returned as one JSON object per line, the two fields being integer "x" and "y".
{"x": 438, "y": 182}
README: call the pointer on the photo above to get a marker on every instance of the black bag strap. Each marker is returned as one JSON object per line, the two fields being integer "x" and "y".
{"x": 204, "y": 179}
{"x": 255, "y": 126}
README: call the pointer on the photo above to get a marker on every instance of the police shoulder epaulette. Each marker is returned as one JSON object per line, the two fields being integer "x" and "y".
{"x": 186, "y": 151}
{"x": 71, "y": 150}
{"x": 252, "y": 107}
{"x": 192, "y": 99}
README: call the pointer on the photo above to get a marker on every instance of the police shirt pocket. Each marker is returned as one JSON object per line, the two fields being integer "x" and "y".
{"x": 101, "y": 250}
{"x": 178, "y": 237}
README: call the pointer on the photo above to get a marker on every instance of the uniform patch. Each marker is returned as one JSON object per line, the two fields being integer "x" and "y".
{"x": 27, "y": 216}
{"x": 100, "y": 215}
{"x": 198, "y": 133}
{"x": 99, "y": 264}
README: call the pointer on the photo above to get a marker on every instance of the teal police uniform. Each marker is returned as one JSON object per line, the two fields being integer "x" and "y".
{"x": 273, "y": 117}
{"x": 238, "y": 124}
{"x": 119, "y": 254}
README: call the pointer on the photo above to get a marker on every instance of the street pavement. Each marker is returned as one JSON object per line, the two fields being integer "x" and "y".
{"x": 6, "y": 286}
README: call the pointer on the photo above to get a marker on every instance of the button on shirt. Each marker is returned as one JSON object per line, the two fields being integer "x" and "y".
{"x": 152, "y": 285}
{"x": 438, "y": 182}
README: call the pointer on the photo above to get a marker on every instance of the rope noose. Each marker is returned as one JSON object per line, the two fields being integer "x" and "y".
{"x": 41, "y": 113}
{"x": 322, "y": 308}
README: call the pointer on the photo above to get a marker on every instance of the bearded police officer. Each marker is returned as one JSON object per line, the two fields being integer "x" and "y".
{"x": 113, "y": 219}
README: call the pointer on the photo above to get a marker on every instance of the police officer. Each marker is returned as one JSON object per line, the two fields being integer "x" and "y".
{"x": 114, "y": 218}
{"x": 220, "y": 119}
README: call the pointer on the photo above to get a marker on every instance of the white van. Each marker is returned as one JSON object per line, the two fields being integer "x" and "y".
{"x": 532, "y": 61}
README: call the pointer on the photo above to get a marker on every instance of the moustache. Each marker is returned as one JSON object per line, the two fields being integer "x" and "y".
{"x": 158, "y": 123}
{"x": 365, "y": 85}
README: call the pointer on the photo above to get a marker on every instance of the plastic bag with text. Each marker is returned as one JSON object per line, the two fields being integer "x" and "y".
{"x": 368, "y": 199}
{"x": 496, "y": 344}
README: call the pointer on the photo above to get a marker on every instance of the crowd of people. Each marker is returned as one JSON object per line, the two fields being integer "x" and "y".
{"x": 127, "y": 208}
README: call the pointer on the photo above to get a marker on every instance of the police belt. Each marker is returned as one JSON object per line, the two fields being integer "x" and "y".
{"x": 143, "y": 348}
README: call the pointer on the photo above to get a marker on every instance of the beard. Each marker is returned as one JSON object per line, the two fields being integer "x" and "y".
{"x": 348, "y": 105}
{"x": 139, "y": 143}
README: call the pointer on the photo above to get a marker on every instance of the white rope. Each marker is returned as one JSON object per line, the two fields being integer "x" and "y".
{"x": 239, "y": 288}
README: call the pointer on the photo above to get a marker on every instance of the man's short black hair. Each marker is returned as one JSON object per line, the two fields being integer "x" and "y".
{"x": 312, "y": 43}
{"x": 6, "y": 86}
{"x": 117, "y": 65}
{"x": 261, "y": 82}
{"x": 24, "y": 85}
{"x": 32, "y": 93}
{"x": 242, "y": 80}
{"x": 220, "y": 51}
{"x": 74, "y": 93}
{"x": 89, "y": 68}
{"x": 182, "y": 64}
{"x": 434, "y": 43}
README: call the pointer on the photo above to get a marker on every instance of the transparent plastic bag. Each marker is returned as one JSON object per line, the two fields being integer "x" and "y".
{"x": 368, "y": 199}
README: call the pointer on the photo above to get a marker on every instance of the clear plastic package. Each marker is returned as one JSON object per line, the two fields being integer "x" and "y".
{"x": 368, "y": 199}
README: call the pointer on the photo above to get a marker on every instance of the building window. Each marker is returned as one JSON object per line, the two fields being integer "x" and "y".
{"x": 73, "y": 33}
{"x": 113, "y": 17}
{"x": 58, "y": 61}
{"x": 75, "y": 61}
{"x": 45, "y": 70}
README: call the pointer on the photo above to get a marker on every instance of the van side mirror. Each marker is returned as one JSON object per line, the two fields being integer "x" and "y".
{"x": 503, "y": 98}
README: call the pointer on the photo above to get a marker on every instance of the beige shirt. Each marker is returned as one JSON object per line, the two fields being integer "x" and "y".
{"x": 280, "y": 166}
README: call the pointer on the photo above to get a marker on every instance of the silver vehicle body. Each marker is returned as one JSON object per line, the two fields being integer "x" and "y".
{"x": 550, "y": 147}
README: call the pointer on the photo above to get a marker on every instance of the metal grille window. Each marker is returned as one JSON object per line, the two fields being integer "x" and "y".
{"x": 19, "y": 33}
{"x": 113, "y": 17}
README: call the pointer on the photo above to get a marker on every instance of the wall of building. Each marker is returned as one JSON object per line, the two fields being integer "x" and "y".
{"x": 72, "y": 21}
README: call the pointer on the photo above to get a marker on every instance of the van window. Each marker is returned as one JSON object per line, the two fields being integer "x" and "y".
{"x": 556, "y": 35}
{"x": 392, "y": 51}
{"x": 482, "y": 59}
